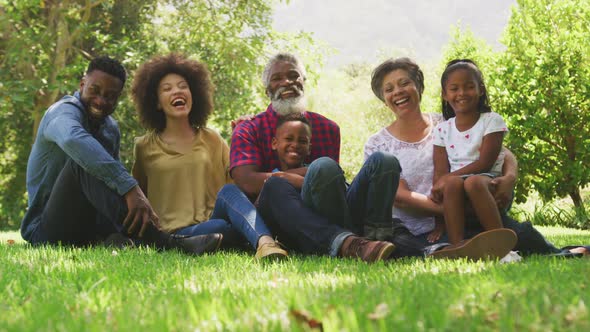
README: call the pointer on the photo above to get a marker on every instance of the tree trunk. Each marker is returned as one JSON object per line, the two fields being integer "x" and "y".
{"x": 58, "y": 27}
{"x": 576, "y": 198}
{"x": 574, "y": 193}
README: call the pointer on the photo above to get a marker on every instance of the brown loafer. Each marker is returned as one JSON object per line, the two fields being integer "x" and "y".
{"x": 270, "y": 251}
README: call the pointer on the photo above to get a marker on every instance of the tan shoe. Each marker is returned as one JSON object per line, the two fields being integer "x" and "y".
{"x": 493, "y": 244}
{"x": 368, "y": 251}
{"x": 270, "y": 250}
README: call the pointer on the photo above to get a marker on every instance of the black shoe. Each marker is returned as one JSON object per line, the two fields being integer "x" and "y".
{"x": 195, "y": 245}
{"x": 117, "y": 240}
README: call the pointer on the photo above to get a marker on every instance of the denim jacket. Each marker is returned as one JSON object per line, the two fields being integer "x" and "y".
{"x": 64, "y": 133}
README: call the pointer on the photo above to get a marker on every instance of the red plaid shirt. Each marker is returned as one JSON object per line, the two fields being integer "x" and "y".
{"x": 251, "y": 141}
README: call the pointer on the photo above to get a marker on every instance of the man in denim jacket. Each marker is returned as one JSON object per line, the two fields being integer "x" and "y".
{"x": 79, "y": 192}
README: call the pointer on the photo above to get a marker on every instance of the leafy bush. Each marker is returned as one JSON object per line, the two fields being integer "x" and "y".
{"x": 554, "y": 213}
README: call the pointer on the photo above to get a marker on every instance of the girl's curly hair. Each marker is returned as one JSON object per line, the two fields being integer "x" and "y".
{"x": 145, "y": 89}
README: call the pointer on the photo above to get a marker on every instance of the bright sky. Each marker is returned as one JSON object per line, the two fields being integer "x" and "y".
{"x": 359, "y": 29}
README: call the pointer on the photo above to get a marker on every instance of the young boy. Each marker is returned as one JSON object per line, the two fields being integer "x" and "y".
{"x": 292, "y": 142}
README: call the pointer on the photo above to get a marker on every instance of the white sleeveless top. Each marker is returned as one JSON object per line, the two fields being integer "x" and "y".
{"x": 417, "y": 170}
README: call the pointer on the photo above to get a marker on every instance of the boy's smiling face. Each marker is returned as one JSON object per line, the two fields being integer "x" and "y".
{"x": 292, "y": 142}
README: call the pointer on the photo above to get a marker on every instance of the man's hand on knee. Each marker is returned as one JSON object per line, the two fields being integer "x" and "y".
{"x": 140, "y": 213}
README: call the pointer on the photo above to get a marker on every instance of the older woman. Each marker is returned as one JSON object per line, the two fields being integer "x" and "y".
{"x": 399, "y": 84}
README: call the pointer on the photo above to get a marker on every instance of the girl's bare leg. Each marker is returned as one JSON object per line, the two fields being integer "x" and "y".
{"x": 477, "y": 188}
{"x": 454, "y": 209}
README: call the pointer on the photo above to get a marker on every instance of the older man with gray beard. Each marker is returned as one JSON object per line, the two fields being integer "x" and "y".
{"x": 320, "y": 216}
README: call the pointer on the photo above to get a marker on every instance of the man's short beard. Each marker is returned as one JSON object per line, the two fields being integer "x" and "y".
{"x": 290, "y": 105}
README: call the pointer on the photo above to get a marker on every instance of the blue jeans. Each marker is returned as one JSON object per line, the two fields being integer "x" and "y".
{"x": 296, "y": 225}
{"x": 317, "y": 220}
{"x": 366, "y": 202}
{"x": 234, "y": 216}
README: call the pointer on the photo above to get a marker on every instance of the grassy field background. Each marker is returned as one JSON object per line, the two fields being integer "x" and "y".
{"x": 98, "y": 289}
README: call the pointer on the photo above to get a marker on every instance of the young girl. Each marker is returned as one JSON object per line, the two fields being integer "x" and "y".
{"x": 467, "y": 150}
{"x": 181, "y": 164}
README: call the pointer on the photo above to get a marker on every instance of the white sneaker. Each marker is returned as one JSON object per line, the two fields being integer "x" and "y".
{"x": 512, "y": 257}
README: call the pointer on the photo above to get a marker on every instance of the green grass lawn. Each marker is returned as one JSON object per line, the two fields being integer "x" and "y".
{"x": 66, "y": 289}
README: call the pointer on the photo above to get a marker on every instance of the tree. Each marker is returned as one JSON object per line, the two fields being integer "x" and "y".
{"x": 465, "y": 45}
{"x": 543, "y": 87}
{"x": 45, "y": 46}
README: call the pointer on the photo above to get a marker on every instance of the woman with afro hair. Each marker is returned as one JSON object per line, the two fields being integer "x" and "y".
{"x": 182, "y": 165}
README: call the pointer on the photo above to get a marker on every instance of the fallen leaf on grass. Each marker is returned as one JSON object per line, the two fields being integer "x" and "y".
{"x": 576, "y": 312}
{"x": 457, "y": 310}
{"x": 303, "y": 316}
{"x": 497, "y": 295}
{"x": 492, "y": 317}
{"x": 25, "y": 300}
{"x": 10, "y": 242}
{"x": 277, "y": 282}
{"x": 380, "y": 311}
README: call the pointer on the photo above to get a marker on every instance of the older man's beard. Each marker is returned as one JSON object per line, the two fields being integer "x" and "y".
{"x": 290, "y": 105}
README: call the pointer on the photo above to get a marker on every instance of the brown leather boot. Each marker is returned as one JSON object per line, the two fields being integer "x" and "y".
{"x": 366, "y": 250}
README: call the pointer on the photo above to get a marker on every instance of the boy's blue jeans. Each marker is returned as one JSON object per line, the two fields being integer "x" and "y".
{"x": 317, "y": 220}
{"x": 367, "y": 201}
{"x": 234, "y": 216}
